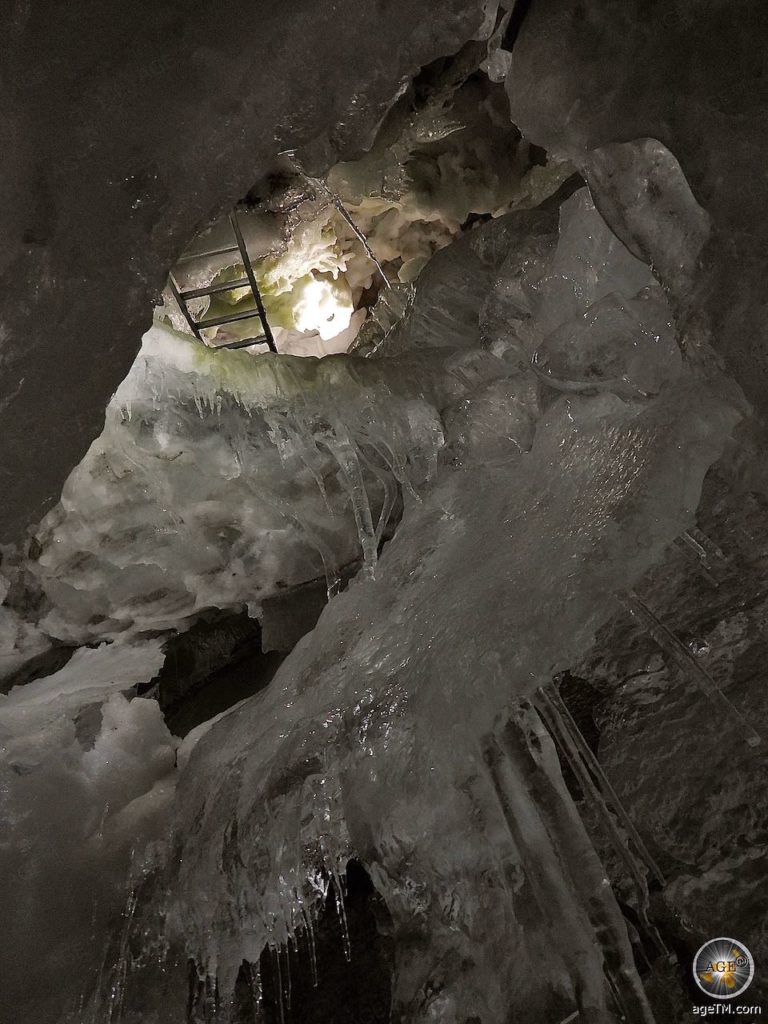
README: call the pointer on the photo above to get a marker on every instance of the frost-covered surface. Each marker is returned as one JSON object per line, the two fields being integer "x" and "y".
{"x": 534, "y": 423}
{"x": 395, "y": 717}
{"x": 220, "y": 478}
{"x": 544, "y": 457}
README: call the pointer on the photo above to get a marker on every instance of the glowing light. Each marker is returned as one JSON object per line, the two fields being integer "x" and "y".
{"x": 323, "y": 305}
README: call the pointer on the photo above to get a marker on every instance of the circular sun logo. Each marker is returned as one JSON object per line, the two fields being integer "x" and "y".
{"x": 723, "y": 968}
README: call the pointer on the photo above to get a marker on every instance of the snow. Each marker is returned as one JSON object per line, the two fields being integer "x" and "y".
{"x": 81, "y": 804}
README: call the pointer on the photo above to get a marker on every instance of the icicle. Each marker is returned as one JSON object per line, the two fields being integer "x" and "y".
{"x": 310, "y": 933}
{"x": 562, "y": 868}
{"x": 349, "y": 464}
{"x": 278, "y": 982}
{"x": 560, "y": 709}
{"x": 287, "y": 974}
{"x": 390, "y": 495}
{"x": 306, "y": 460}
{"x": 254, "y": 984}
{"x": 341, "y": 911}
{"x": 398, "y": 468}
{"x": 120, "y": 973}
{"x": 570, "y": 741}
{"x": 687, "y": 664}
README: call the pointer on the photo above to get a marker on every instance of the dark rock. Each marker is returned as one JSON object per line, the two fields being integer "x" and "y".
{"x": 286, "y": 618}
{"x": 38, "y": 666}
{"x": 680, "y": 762}
{"x": 213, "y": 665}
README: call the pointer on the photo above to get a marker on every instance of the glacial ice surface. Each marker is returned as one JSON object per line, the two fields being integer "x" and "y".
{"x": 543, "y": 459}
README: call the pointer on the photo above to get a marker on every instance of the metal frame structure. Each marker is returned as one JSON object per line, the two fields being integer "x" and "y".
{"x": 249, "y": 281}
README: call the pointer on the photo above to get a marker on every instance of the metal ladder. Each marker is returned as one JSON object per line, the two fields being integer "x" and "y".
{"x": 196, "y": 326}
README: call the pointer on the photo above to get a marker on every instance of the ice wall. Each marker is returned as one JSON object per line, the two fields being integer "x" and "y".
{"x": 544, "y": 458}
{"x": 384, "y": 733}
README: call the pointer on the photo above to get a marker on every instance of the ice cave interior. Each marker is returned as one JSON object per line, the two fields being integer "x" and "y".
{"x": 402, "y": 663}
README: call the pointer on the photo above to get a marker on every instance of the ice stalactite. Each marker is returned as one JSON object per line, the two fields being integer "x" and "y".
{"x": 597, "y": 789}
{"x": 566, "y": 878}
{"x": 299, "y": 450}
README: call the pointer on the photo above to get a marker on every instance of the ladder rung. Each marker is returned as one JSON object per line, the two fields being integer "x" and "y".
{"x": 231, "y": 318}
{"x": 244, "y": 343}
{"x": 215, "y": 289}
{"x": 186, "y": 257}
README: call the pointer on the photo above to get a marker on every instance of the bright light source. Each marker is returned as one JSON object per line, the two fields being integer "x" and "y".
{"x": 323, "y": 305}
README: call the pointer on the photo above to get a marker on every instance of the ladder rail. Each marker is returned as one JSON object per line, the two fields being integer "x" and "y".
{"x": 249, "y": 281}
{"x": 228, "y": 318}
{"x": 252, "y": 279}
{"x": 184, "y": 309}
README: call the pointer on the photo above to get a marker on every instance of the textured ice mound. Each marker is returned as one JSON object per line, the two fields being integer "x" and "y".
{"x": 220, "y": 478}
{"x": 373, "y": 729}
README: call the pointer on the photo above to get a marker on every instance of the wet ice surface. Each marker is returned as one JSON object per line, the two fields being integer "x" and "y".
{"x": 544, "y": 459}
{"x": 376, "y": 722}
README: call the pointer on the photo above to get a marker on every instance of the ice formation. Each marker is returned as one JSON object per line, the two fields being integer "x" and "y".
{"x": 366, "y": 740}
{"x": 87, "y": 782}
{"x": 323, "y": 250}
{"x": 533, "y": 437}
{"x": 499, "y": 447}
